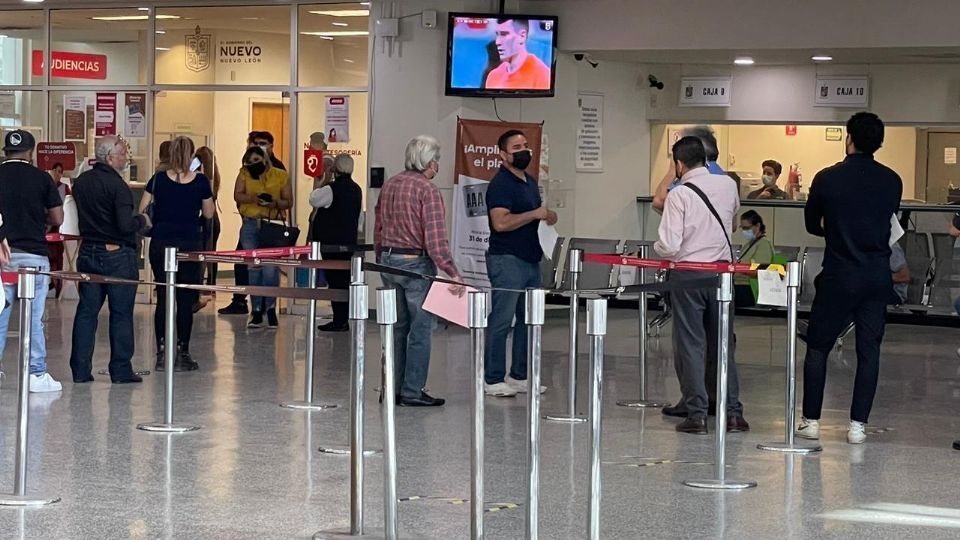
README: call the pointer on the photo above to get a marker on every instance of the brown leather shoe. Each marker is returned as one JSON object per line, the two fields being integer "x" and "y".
{"x": 736, "y": 424}
{"x": 693, "y": 424}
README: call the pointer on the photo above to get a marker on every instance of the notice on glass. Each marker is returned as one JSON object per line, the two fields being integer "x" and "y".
{"x": 337, "y": 122}
{"x": 105, "y": 115}
{"x": 590, "y": 133}
{"x": 135, "y": 117}
{"x": 950, "y": 155}
{"x": 75, "y": 118}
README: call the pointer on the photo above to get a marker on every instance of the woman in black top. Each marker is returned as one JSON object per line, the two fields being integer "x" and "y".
{"x": 335, "y": 222}
{"x": 179, "y": 197}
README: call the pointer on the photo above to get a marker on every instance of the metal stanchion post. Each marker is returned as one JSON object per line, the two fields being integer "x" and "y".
{"x": 26, "y": 292}
{"x": 596, "y": 330}
{"x": 170, "y": 350}
{"x": 643, "y": 402}
{"x": 534, "y": 304}
{"x": 574, "y": 269}
{"x": 307, "y": 404}
{"x": 477, "y": 321}
{"x": 789, "y": 445}
{"x": 386, "y": 318}
{"x": 358, "y": 314}
{"x": 724, "y": 297}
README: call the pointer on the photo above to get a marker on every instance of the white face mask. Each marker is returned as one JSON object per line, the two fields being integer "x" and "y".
{"x": 769, "y": 180}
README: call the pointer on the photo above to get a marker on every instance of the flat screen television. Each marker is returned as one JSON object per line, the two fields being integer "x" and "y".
{"x": 501, "y": 55}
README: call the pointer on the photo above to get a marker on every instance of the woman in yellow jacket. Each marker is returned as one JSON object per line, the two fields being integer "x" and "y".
{"x": 262, "y": 192}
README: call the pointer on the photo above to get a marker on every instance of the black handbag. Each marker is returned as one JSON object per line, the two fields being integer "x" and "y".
{"x": 277, "y": 233}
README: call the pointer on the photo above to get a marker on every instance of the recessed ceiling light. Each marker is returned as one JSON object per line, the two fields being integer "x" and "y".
{"x": 163, "y": 48}
{"x": 251, "y": 18}
{"x": 328, "y": 38}
{"x": 143, "y": 9}
{"x": 744, "y": 61}
{"x": 821, "y": 58}
{"x": 344, "y": 13}
{"x": 335, "y": 23}
{"x": 338, "y": 33}
{"x": 32, "y": 1}
{"x": 161, "y": 32}
{"x": 347, "y": 60}
{"x": 132, "y": 18}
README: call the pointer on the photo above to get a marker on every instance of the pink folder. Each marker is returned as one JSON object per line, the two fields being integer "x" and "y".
{"x": 446, "y": 305}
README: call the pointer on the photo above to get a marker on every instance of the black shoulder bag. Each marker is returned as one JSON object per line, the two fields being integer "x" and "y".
{"x": 276, "y": 233}
{"x": 706, "y": 201}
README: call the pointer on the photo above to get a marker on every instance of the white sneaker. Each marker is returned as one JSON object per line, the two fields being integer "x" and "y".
{"x": 521, "y": 386}
{"x": 501, "y": 389}
{"x": 856, "y": 433}
{"x": 809, "y": 429}
{"x": 44, "y": 383}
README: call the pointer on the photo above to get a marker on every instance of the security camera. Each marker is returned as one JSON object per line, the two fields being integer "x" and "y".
{"x": 580, "y": 57}
{"x": 654, "y": 82}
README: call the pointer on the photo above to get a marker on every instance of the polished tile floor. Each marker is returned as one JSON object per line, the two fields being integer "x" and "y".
{"x": 253, "y": 470}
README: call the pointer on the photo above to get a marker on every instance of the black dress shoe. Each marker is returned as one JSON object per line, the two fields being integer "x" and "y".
{"x": 235, "y": 308}
{"x": 956, "y": 444}
{"x": 132, "y": 378}
{"x": 184, "y": 362}
{"x": 693, "y": 424}
{"x": 424, "y": 400}
{"x": 334, "y": 327}
{"x": 736, "y": 424}
{"x": 679, "y": 410}
{"x": 81, "y": 380}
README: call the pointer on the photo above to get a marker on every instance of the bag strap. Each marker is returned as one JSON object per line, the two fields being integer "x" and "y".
{"x": 706, "y": 201}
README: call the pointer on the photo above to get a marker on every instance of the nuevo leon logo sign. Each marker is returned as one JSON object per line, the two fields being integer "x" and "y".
{"x": 197, "y": 51}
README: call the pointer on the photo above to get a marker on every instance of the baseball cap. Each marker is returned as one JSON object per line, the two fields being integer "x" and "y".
{"x": 18, "y": 140}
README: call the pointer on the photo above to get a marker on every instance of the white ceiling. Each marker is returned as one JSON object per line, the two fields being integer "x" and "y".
{"x": 773, "y": 57}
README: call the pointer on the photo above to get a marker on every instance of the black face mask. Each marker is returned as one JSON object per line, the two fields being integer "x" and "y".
{"x": 522, "y": 159}
{"x": 256, "y": 169}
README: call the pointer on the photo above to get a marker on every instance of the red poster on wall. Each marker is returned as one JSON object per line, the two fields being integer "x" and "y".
{"x": 312, "y": 162}
{"x": 49, "y": 154}
{"x": 791, "y": 130}
{"x": 69, "y": 65}
{"x": 105, "y": 115}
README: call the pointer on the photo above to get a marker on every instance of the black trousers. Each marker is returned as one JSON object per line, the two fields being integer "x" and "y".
{"x": 241, "y": 277}
{"x": 187, "y": 272}
{"x": 839, "y": 300}
{"x": 339, "y": 279}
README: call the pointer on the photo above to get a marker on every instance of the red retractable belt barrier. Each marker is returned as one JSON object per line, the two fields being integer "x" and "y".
{"x": 623, "y": 260}
{"x": 55, "y": 238}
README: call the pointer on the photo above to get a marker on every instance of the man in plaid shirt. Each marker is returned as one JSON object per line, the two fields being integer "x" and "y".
{"x": 411, "y": 234}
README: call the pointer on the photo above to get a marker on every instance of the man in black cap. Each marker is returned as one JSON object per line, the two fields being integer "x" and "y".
{"x": 29, "y": 204}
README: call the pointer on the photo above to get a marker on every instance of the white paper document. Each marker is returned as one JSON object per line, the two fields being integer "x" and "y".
{"x": 896, "y": 231}
{"x": 548, "y": 238}
{"x": 772, "y": 288}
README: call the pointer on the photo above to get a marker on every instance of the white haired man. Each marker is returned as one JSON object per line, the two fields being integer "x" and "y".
{"x": 30, "y": 204}
{"x": 411, "y": 234}
{"x": 109, "y": 230}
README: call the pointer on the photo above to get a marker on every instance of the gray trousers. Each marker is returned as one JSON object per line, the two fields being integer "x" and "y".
{"x": 695, "y": 344}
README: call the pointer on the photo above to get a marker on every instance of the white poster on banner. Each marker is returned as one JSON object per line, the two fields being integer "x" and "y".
{"x": 590, "y": 133}
{"x": 75, "y": 118}
{"x": 337, "y": 123}
{"x": 135, "y": 122}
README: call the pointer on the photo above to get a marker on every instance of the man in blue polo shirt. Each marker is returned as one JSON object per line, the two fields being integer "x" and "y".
{"x": 670, "y": 180}
{"x": 515, "y": 210}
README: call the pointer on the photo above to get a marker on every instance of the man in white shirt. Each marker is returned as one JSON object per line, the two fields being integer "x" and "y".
{"x": 689, "y": 231}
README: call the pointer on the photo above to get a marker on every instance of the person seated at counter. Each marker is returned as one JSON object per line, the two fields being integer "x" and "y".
{"x": 770, "y": 190}
{"x": 758, "y": 250}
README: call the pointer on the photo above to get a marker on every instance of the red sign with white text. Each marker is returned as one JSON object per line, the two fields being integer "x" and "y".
{"x": 791, "y": 130}
{"x": 312, "y": 162}
{"x": 49, "y": 154}
{"x": 70, "y": 65}
{"x": 105, "y": 115}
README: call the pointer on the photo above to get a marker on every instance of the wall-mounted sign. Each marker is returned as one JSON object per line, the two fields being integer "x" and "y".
{"x": 240, "y": 52}
{"x": 197, "y": 51}
{"x": 337, "y": 119}
{"x": 49, "y": 154}
{"x": 71, "y": 65}
{"x": 75, "y": 118}
{"x": 105, "y": 115}
{"x": 312, "y": 162}
{"x": 705, "y": 92}
{"x": 590, "y": 133}
{"x": 842, "y": 92}
{"x": 834, "y": 134}
{"x": 790, "y": 130}
{"x": 135, "y": 119}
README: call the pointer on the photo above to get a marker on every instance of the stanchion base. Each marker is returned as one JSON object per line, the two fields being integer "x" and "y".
{"x": 26, "y": 500}
{"x": 344, "y": 451}
{"x": 344, "y": 534}
{"x": 644, "y": 404}
{"x": 720, "y": 484}
{"x": 565, "y": 419}
{"x": 160, "y": 427}
{"x": 304, "y": 406}
{"x": 140, "y": 373}
{"x": 790, "y": 449}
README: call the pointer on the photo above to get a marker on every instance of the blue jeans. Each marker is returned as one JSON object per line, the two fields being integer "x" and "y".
{"x": 412, "y": 333}
{"x": 38, "y": 345}
{"x": 121, "y": 263}
{"x": 508, "y": 272}
{"x": 267, "y": 276}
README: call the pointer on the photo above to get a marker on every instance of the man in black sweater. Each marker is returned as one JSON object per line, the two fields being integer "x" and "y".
{"x": 335, "y": 223}
{"x": 851, "y": 205}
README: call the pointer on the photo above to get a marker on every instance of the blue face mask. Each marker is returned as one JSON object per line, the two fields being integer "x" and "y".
{"x": 748, "y": 235}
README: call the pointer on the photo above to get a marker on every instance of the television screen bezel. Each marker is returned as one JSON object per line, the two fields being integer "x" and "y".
{"x": 485, "y": 93}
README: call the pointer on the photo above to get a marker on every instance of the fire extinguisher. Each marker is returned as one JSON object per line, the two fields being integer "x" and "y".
{"x": 795, "y": 180}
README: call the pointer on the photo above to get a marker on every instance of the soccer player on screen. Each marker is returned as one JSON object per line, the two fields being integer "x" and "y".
{"x": 518, "y": 70}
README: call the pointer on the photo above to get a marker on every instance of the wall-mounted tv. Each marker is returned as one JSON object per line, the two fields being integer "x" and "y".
{"x": 501, "y": 55}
